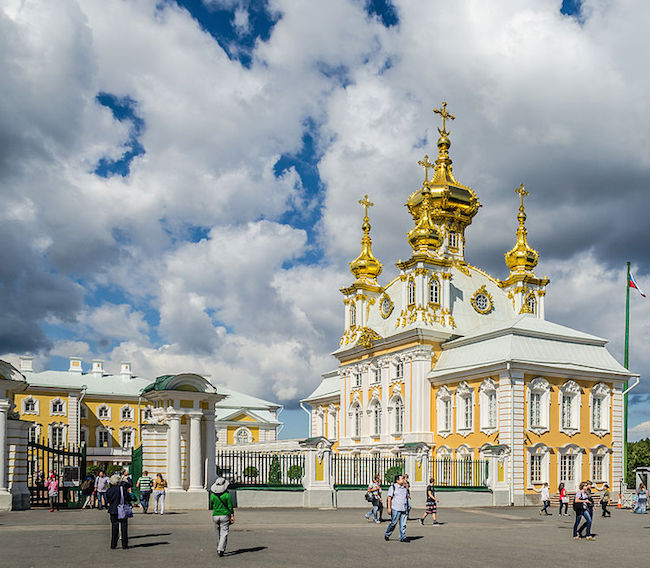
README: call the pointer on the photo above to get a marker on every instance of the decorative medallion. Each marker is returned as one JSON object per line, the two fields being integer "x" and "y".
{"x": 482, "y": 301}
{"x": 367, "y": 337}
{"x": 385, "y": 305}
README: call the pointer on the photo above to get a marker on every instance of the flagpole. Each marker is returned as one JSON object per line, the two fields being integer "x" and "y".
{"x": 626, "y": 363}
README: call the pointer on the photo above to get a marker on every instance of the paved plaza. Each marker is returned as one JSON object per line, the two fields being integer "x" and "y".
{"x": 501, "y": 537}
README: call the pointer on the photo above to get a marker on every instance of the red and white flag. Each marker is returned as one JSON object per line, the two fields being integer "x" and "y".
{"x": 632, "y": 284}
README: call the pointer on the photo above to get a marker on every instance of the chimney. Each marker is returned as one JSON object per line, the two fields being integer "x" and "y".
{"x": 26, "y": 364}
{"x": 125, "y": 369}
{"x": 98, "y": 368}
{"x": 75, "y": 365}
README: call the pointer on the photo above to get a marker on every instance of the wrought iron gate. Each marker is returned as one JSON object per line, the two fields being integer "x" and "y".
{"x": 68, "y": 464}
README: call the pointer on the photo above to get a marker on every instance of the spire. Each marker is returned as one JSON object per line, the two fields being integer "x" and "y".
{"x": 522, "y": 258}
{"x": 366, "y": 267}
{"x": 442, "y": 172}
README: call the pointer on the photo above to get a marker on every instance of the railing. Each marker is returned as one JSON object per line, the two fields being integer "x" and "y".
{"x": 261, "y": 469}
{"x": 459, "y": 472}
{"x": 360, "y": 470}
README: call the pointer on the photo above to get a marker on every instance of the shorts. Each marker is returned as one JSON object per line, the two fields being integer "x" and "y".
{"x": 432, "y": 507}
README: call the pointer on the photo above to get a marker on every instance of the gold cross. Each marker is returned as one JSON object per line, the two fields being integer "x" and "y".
{"x": 426, "y": 164}
{"x": 521, "y": 191}
{"x": 445, "y": 115}
{"x": 366, "y": 203}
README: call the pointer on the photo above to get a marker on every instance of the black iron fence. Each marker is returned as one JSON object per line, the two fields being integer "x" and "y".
{"x": 459, "y": 472}
{"x": 67, "y": 463}
{"x": 353, "y": 470}
{"x": 261, "y": 469}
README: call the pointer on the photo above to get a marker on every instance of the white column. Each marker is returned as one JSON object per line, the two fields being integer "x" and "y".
{"x": 4, "y": 409}
{"x": 210, "y": 472}
{"x": 196, "y": 449}
{"x": 174, "y": 452}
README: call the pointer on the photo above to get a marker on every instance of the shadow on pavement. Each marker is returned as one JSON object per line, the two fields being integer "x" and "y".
{"x": 148, "y": 535}
{"x": 148, "y": 544}
{"x": 244, "y": 550}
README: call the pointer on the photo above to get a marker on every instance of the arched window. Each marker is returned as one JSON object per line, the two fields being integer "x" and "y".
{"x": 376, "y": 418}
{"x": 532, "y": 303}
{"x": 242, "y": 436}
{"x": 399, "y": 415}
{"x": 434, "y": 291}
{"x": 353, "y": 315}
{"x": 444, "y": 402}
{"x": 488, "y": 405}
{"x": 464, "y": 408}
{"x": 356, "y": 421}
{"x": 600, "y": 397}
{"x": 569, "y": 407}
{"x": 411, "y": 291}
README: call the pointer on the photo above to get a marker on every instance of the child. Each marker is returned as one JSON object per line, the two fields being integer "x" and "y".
{"x": 432, "y": 504}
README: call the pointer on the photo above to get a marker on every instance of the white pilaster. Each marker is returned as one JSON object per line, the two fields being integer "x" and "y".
{"x": 210, "y": 464}
{"x": 4, "y": 409}
{"x": 196, "y": 450}
{"x": 174, "y": 452}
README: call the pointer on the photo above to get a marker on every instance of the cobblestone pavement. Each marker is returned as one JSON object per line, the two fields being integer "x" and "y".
{"x": 501, "y": 537}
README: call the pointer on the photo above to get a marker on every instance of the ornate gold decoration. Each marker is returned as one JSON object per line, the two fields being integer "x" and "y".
{"x": 367, "y": 336}
{"x": 385, "y": 313}
{"x": 442, "y": 200}
{"x": 366, "y": 267}
{"x": 525, "y": 308}
{"x": 522, "y": 258}
{"x": 482, "y": 291}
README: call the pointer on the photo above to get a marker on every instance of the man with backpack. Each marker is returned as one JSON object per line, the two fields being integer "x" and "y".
{"x": 397, "y": 506}
{"x": 373, "y": 495}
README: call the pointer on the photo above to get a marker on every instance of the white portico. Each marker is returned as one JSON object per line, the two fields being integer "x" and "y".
{"x": 179, "y": 440}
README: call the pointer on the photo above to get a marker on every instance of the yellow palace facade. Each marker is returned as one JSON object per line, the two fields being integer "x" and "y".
{"x": 454, "y": 360}
{"x": 106, "y": 411}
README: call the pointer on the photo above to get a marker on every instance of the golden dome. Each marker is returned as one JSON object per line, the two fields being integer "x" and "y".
{"x": 425, "y": 236}
{"x": 447, "y": 198}
{"x": 366, "y": 267}
{"x": 521, "y": 258}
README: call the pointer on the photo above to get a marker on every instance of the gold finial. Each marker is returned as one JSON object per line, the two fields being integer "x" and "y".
{"x": 426, "y": 164}
{"x": 366, "y": 267}
{"x": 522, "y": 258}
{"x": 366, "y": 203}
{"x": 445, "y": 115}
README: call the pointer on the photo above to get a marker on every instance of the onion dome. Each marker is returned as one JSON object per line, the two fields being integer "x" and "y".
{"x": 521, "y": 259}
{"x": 366, "y": 267}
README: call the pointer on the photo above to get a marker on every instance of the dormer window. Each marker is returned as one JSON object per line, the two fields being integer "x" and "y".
{"x": 453, "y": 239}
{"x": 434, "y": 292}
{"x": 411, "y": 292}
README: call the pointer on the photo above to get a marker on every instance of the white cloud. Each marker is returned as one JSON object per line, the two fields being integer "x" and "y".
{"x": 639, "y": 432}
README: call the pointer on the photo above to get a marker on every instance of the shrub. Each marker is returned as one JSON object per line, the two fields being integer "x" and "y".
{"x": 391, "y": 472}
{"x": 275, "y": 472}
{"x": 251, "y": 471}
{"x": 295, "y": 472}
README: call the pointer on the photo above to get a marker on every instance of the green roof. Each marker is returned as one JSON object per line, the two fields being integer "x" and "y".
{"x": 159, "y": 384}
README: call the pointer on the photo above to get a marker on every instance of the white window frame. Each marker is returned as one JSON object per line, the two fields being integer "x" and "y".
{"x": 353, "y": 315}
{"x": 600, "y": 392}
{"x": 410, "y": 292}
{"x": 101, "y": 407}
{"x": 572, "y": 391}
{"x": 445, "y": 413}
{"x": 445, "y": 465}
{"x": 126, "y": 408}
{"x": 240, "y": 433}
{"x": 489, "y": 406}
{"x": 64, "y": 433}
{"x": 543, "y": 453}
{"x": 434, "y": 291}
{"x": 36, "y": 429}
{"x": 376, "y": 416}
{"x": 99, "y": 432}
{"x": 464, "y": 406}
{"x": 375, "y": 375}
{"x": 452, "y": 239}
{"x": 603, "y": 452}
{"x": 398, "y": 410}
{"x": 570, "y": 450}
{"x": 131, "y": 432}
{"x": 147, "y": 413}
{"x": 357, "y": 376}
{"x": 58, "y": 400}
{"x": 541, "y": 387}
{"x": 399, "y": 370}
{"x": 332, "y": 419}
{"x": 33, "y": 400}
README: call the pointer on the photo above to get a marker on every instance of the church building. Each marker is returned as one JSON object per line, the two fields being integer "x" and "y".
{"x": 448, "y": 356}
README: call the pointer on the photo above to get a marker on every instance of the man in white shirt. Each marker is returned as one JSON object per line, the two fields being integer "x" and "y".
{"x": 546, "y": 500}
{"x": 396, "y": 507}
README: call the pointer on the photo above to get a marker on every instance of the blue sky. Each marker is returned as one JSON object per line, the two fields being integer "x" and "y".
{"x": 186, "y": 183}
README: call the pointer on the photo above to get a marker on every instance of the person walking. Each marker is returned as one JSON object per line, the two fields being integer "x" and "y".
{"x": 101, "y": 486}
{"x": 564, "y": 500}
{"x": 52, "y": 486}
{"x": 546, "y": 500}
{"x": 117, "y": 500}
{"x": 641, "y": 500}
{"x": 408, "y": 498}
{"x": 604, "y": 501}
{"x": 87, "y": 488}
{"x": 590, "y": 500}
{"x": 223, "y": 514}
{"x": 374, "y": 492}
{"x": 580, "y": 504}
{"x": 396, "y": 505}
{"x": 431, "y": 504}
{"x": 159, "y": 494}
{"x": 145, "y": 484}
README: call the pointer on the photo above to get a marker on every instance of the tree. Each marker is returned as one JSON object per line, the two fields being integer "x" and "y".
{"x": 638, "y": 455}
{"x": 275, "y": 473}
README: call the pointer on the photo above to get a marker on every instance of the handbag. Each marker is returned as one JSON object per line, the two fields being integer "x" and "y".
{"x": 124, "y": 510}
